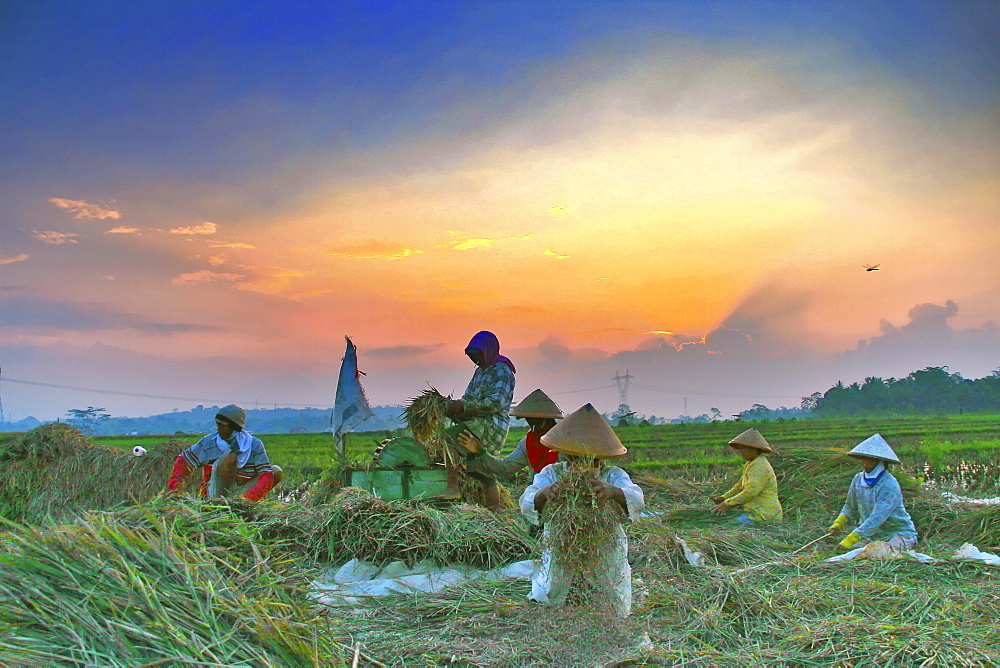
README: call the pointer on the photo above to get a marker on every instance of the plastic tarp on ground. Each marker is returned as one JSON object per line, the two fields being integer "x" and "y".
{"x": 356, "y": 579}
{"x": 955, "y": 498}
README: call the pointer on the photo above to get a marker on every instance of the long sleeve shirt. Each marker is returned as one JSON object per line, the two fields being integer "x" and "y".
{"x": 208, "y": 450}
{"x": 518, "y": 459}
{"x": 488, "y": 398}
{"x": 550, "y": 584}
{"x": 878, "y": 510}
{"x": 757, "y": 491}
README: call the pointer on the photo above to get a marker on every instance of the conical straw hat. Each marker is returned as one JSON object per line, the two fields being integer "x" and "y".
{"x": 537, "y": 405}
{"x": 754, "y": 439}
{"x": 874, "y": 446}
{"x": 585, "y": 433}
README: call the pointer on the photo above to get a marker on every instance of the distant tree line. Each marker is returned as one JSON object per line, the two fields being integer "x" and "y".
{"x": 933, "y": 390}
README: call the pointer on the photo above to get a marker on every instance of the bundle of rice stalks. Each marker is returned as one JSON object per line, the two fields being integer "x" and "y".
{"x": 473, "y": 492}
{"x": 103, "y": 593}
{"x": 578, "y": 531}
{"x": 982, "y": 527}
{"x": 425, "y": 416}
{"x": 54, "y": 472}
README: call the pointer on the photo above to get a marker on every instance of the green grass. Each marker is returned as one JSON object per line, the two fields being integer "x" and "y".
{"x": 945, "y": 444}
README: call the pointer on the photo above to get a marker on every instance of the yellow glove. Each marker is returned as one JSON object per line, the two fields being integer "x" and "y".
{"x": 852, "y": 539}
{"x": 838, "y": 523}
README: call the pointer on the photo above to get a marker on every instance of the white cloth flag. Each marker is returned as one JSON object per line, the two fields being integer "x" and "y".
{"x": 350, "y": 408}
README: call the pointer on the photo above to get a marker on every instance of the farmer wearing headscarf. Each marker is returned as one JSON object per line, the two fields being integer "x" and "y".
{"x": 756, "y": 493}
{"x": 541, "y": 414}
{"x": 484, "y": 410}
{"x": 585, "y": 439}
{"x": 233, "y": 460}
{"x": 875, "y": 501}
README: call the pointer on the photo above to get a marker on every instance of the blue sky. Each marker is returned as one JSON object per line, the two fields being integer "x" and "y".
{"x": 174, "y": 174}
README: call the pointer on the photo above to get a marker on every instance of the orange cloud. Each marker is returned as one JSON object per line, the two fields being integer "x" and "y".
{"x": 374, "y": 249}
{"x": 85, "y": 210}
{"x": 122, "y": 230}
{"x": 204, "y": 276}
{"x": 54, "y": 238}
{"x": 269, "y": 280}
{"x": 17, "y": 258}
{"x": 204, "y": 228}
{"x": 235, "y": 244}
{"x": 551, "y": 253}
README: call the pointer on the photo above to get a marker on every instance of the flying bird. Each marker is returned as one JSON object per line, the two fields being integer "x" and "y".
{"x": 871, "y": 267}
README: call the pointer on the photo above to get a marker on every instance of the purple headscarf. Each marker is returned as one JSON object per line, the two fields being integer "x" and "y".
{"x": 489, "y": 345}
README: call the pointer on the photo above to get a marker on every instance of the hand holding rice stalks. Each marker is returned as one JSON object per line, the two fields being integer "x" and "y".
{"x": 425, "y": 416}
{"x": 577, "y": 526}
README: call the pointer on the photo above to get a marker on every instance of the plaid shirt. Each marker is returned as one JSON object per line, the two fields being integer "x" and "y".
{"x": 491, "y": 390}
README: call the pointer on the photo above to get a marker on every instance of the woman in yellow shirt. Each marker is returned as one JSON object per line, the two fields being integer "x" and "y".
{"x": 757, "y": 491}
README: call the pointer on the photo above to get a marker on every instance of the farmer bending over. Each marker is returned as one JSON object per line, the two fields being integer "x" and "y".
{"x": 541, "y": 414}
{"x": 234, "y": 461}
{"x": 757, "y": 491}
{"x": 586, "y": 440}
{"x": 875, "y": 501}
{"x": 484, "y": 410}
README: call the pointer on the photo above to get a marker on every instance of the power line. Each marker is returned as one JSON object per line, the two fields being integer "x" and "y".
{"x": 671, "y": 390}
{"x": 148, "y": 396}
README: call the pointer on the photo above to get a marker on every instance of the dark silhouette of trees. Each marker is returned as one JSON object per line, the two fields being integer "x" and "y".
{"x": 932, "y": 390}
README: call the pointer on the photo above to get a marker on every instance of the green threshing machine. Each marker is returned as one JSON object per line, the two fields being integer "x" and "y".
{"x": 400, "y": 469}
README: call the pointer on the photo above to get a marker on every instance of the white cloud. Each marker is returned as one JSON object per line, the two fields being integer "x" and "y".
{"x": 54, "y": 238}
{"x": 16, "y": 258}
{"x": 204, "y": 228}
{"x": 85, "y": 210}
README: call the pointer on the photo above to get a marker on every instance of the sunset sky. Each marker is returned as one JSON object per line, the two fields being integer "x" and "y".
{"x": 198, "y": 201}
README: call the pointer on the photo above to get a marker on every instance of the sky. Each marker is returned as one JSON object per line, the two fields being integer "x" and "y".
{"x": 199, "y": 201}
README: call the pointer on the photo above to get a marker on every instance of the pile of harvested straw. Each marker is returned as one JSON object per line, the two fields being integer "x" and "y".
{"x": 54, "y": 472}
{"x": 368, "y": 528}
{"x": 102, "y": 592}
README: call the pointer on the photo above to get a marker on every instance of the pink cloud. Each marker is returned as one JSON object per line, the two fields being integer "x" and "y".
{"x": 203, "y": 228}
{"x": 17, "y": 258}
{"x": 204, "y": 276}
{"x": 54, "y": 238}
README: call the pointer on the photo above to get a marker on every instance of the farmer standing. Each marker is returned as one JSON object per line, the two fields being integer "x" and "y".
{"x": 585, "y": 439}
{"x": 875, "y": 501}
{"x": 757, "y": 490}
{"x": 484, "y": 410}
{"x": 234, "y": 461}
{"x": 541, "y": 414}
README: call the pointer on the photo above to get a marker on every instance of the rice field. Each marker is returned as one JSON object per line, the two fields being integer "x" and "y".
{"x": 140, "y": 579}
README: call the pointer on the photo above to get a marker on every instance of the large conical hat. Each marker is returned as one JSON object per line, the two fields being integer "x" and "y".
{"x": 537, "y": 405}
{"x": 586, "y": 433}
{"x": 874, "y": 446}
{"x": 754, "y": 439}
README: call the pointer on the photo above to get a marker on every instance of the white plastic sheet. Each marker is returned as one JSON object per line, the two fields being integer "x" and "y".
{"x": 955, "y": 498}
{"x": 356, "y": 579}
{"x": 969, "y": 552}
